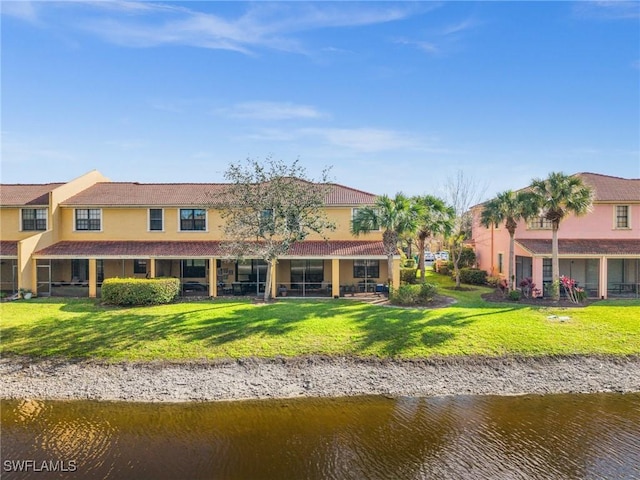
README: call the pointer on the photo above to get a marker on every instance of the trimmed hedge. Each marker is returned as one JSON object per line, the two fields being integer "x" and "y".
{"x": 140, "y": 291}
{"x": 409, "y": 295}
{"x": 473, "y": 276}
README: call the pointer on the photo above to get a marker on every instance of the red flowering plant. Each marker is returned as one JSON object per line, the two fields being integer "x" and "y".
{"x": 528, "y": 288}
{"x": 574, "y": 293}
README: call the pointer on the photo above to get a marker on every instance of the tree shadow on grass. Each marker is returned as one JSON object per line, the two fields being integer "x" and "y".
{"x": 85, "y": 329}
{"x": 96, "y": 331}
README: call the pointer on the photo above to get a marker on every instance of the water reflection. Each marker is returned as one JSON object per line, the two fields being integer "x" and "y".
{"x": 554, "y": 436}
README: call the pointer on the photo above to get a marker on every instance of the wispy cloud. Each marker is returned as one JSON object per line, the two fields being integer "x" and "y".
{"x": 360, "y": 140}
{"x": 365, "y": 139}
{"x": 22, "y": 10}
{"x": 271, "y": 111}
{"x": 608, "y": 10}
{"x": 441, "y": 40}
{"x": 261, "y": 25}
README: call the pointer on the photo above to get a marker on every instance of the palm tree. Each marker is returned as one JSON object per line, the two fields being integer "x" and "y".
{"x": 509, "y": 207}
{"x": 395, "y": 216}
{"x": 558, "y": 196}
{"x": 436, "y": 217}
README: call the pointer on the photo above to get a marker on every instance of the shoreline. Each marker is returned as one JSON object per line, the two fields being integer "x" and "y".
{"x": 313, "y": 376}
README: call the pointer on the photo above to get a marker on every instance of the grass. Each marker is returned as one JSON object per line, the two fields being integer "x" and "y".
{"x": 231, "y": 328}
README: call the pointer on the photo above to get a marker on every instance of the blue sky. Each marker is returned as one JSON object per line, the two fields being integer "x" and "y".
{"x": 393, "y": 96}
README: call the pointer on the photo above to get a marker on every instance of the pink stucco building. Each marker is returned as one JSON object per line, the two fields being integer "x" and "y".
{"x": 600, "y": 250}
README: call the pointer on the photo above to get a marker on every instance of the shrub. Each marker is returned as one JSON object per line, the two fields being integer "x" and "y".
{"x": 411, "y": 295}
{"x": 408, "y": 275}
{"x": 527, "y": 287}
{"x": 443, "y": 268}
{"x": 473, "y": 276}
{"x": 467, "y": 258}
{"x": 140, "y": 291}
{"x": 514, "y": 295}
{"x": 493, "y": 281}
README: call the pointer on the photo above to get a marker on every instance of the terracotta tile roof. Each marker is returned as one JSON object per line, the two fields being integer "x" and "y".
{"x": 582, "y": 247}
{"x": 18, "y": 195}
{"x": 337, "y": 248}
{"x": 612, "y": 189}
{"x": 606, "y": 188}
{"x": 185, "y": 194}
{"x": 124, "y": 249}
{"x": 8, "y": 248}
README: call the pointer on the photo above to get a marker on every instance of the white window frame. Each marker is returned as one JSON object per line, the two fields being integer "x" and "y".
{"x": 75, "y": 220}
{"x": 149, "y": 220}
{"x": 615, "y": 216}
{"x": 206, "y": 220}
{"x": 46, "y": 217}
{"x": 538, "y": 220}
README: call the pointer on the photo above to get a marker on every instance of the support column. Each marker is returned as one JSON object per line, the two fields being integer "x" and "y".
{"x": 396, "y": 273}
{"x": 213, "y": 278}
{"x": 93, "y": 286}
{"x": 603, "y": 277}
{"x": 152, "y": 268}
{"x": 335, "y": 277}
{"x": 274, "y": 277}
{"x": 34, "y": 277}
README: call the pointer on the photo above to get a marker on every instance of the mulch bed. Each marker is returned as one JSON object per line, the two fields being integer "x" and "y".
{"x": 498, "y": 297}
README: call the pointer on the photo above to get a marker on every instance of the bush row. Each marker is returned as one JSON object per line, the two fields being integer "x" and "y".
{"x": 408, "y": 295}
{"x": 140, "y": 291}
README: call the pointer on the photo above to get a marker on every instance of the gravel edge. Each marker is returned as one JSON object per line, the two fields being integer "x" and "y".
{"x": 251, "y": 378}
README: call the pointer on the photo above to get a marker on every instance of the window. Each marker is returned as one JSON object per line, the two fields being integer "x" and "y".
{"x": 155, "y": 220}
{"x": 34, "y": 219}
{"x": 194, "y": 268}
{"x": 266, "y": 221}
{"x": 354, "y": 213}
{"x": 193, "y": 219}
{"x": 366, "y": 269}
{"x": 309, "y": 273}
{"x": 622, "y": 216}
{"x": 547, "y": 269}
{"x": 539, "y": 223}
{"x": 139, "y": 266}
{"x": 88, "y": 219}
{"x": 500, "y": 262}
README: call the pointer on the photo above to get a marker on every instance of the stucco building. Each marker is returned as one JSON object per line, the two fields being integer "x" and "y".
{"x": 66, "y": 238}
{"x": 600, "y": 250}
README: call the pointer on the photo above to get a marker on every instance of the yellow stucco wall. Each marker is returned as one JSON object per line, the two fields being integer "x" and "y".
{"x": 10, "y": 224}
{"x": 132, "y": 224}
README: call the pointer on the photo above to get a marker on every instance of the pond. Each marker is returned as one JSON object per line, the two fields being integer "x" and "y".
{"x": 459, "y": 437}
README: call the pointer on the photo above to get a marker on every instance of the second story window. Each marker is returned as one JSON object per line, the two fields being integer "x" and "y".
{"x": 354, "y": 214}
{"x": 155, "y": 220}
{"x": 193, "y": 219}
{"x": 88, "y": 219}
{"x": 539, "y": 223}
{"x": 622, "y": 216}
{"x": 34, "y": 219}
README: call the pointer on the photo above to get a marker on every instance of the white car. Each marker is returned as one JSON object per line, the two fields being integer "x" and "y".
{"x": 429, "y": 257}
{"x": 444, "y": 255}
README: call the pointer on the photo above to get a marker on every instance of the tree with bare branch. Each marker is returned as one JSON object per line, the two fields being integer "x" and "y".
{"x": 462, "y": 192}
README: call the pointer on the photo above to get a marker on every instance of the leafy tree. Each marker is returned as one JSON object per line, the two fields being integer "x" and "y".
{"x": 268, "y": 207}
{"x": 395, "y": 216}
{"x": 556, "y": 197}
{"x": 436, "y": 217}
{"x": 509, "y": 208}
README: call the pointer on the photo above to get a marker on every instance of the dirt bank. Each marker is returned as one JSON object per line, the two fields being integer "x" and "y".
{"x": 314, "y": 377}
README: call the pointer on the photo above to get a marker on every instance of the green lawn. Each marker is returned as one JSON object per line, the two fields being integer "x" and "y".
{"x": 236, "y": 328}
